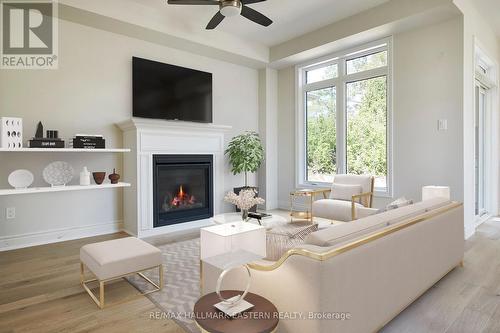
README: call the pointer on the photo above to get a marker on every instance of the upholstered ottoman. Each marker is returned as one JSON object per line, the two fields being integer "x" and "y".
{"x": 116, "y": 259}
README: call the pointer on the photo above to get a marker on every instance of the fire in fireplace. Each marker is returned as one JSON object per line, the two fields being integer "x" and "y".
{"x": 183, "y": 188}
{"x": 180, "y": 200}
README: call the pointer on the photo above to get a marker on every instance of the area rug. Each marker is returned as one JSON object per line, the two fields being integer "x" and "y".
{"x": 181, "y": 263}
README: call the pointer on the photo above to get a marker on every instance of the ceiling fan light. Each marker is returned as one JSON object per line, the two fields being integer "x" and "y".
{"x": 232, "y": 9}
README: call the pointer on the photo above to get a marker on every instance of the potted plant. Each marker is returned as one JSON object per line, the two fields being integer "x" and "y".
{"x": 246, "y": 154}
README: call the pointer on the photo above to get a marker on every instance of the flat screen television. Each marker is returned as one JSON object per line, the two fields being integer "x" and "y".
{"x": 163, "y": 91}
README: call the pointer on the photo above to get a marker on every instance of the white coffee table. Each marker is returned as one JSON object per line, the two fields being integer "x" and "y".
{"x": 268, "y": 222}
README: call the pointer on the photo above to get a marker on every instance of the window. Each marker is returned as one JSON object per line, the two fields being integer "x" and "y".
{"x": 344, "y": 119}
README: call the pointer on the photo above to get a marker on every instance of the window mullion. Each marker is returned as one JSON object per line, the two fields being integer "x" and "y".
{"x": 341, "y": 120}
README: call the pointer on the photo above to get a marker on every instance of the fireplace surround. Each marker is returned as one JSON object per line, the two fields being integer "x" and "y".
{"x": 182, "y": 188}
{"x": 148, "y": 138}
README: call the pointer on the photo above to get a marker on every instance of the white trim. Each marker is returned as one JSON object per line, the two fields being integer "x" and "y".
{"x": 340, "y": 58}
{"x": 58, "y": 235}
{"x": 491, "y": 81}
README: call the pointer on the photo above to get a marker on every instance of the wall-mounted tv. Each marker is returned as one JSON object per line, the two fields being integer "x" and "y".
{"x": 163, "y": 91}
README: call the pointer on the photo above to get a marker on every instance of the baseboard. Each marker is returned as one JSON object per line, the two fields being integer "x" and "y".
{"x": 58, "y": 235}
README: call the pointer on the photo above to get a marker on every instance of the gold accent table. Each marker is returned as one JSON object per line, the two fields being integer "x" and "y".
{"x": 310, "y": 195}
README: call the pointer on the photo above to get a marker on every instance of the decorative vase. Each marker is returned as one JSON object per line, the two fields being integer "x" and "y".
{"x": 98, "y": 177}
{"x": 244, "y": 215}
{"x": 85, "y": 177}
{"x": 114, "y": 177}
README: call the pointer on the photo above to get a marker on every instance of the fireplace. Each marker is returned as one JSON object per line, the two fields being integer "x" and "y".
{"x": 182, "y": 188}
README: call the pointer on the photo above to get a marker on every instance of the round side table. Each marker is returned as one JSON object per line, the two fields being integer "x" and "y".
{"x": 262, "y": 318}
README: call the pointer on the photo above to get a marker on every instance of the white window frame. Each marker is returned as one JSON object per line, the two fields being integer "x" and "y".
{"x": 340, "y": 82}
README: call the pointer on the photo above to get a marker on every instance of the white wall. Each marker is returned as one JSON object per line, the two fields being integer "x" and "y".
{"x": 427, "y": 87}
{"x": 286, "y": 135}
{"x": 268, "y": 124}
{"x": 89, "y": 93}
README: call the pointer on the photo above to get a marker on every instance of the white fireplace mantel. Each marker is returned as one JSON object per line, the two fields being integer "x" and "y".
{"x": 148, "y": 137}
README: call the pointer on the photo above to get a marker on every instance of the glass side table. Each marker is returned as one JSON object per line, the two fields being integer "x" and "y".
{"x": 309, "y": 195}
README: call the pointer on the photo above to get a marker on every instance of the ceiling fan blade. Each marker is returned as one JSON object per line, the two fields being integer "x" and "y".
{"x": 248, "y": 2}
{"x": 255, "y": 16}
{"x": 193, "y": 2}
{"x": 214, "y": 22}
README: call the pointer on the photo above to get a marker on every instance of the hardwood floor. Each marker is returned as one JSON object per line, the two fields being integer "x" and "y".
{"x": 40, "y": 292}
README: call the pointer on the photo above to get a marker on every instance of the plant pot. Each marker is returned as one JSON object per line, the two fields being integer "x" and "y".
{"x": 237, "y": 190}
{"x": 99, "y": 177}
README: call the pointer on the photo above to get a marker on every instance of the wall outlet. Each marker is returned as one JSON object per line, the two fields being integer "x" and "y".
{"x": 10, "y": 213}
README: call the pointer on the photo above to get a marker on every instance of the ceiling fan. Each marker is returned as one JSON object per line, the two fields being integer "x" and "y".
{"x": 229, "y": 8}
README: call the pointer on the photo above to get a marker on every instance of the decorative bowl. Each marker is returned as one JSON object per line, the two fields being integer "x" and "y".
{"x": 20, "y": 179}
{"x": 99, "y": 177}
{"x": 58, "y": 173}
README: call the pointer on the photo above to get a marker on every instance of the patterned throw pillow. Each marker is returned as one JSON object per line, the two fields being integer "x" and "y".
{"x": 283, "y": 238}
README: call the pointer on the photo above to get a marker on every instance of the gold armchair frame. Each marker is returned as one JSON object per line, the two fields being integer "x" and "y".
{"x": 358, "y": 198}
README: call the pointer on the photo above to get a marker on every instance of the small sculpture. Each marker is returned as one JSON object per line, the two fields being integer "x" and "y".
{"x": 114, "y": 177}
{"x": 39, "y": 130}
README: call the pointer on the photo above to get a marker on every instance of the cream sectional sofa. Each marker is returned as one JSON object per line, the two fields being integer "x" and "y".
{"x": 365, "y": 272}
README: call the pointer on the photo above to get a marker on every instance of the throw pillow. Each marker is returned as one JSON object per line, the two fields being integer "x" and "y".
{"x": 283, "y": 238}
{"x": 401, "y": 202}
{"x": 344, "y": 191}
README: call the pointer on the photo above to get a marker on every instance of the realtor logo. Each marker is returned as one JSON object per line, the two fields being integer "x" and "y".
{"x": 29, "y": 34}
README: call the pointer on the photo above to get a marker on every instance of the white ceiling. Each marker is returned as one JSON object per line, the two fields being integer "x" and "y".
{"x": 490, "y": 10}
{"x": 292, "y": 18}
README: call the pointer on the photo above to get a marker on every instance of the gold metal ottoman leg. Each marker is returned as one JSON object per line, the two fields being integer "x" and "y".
{"x": 101, "y": 294}
{"x": 160, "y": 271}
{"x": 82, "y": 272}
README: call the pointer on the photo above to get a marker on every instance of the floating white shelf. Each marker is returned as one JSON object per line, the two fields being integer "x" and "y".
{"x": 64, "y": 150}
{"x": 33, "y": 190}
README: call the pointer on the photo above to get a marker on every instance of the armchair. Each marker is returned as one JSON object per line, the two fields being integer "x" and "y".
{"x": 350, "y": 198}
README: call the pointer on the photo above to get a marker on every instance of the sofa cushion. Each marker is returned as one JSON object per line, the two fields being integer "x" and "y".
{"x": 344, "y": 192}
{"x": 338, "y": 210}
{"x": 341, "y": 233}
{"x": 283, "y": 238}
{"x": 118, "y": 257}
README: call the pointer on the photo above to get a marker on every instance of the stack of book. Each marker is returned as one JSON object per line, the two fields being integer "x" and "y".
{"x": 88, "y": 141}
{"x": 46, "y": 143}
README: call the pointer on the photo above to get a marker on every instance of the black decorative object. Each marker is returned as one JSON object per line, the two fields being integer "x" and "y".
{"x": 51, "y": 141}
{"x": 89, "y": 142}
{"x": 39, "y": 130}
{"x": 46, "y": 143}
{"x": 52, "y": 134}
